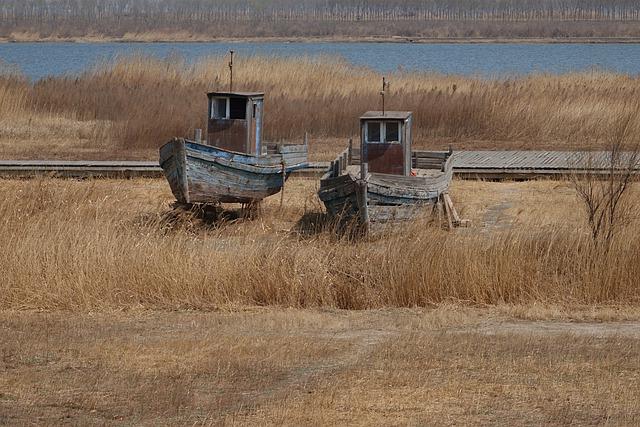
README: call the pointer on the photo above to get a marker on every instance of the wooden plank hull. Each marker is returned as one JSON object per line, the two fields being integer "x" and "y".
{"x": 199, "y": 173}
{"x": 389, "y": 197}
{"x": 340, "y": 195}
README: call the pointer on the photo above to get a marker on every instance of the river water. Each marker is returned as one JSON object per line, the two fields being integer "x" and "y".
{"x": 493, "y": 60}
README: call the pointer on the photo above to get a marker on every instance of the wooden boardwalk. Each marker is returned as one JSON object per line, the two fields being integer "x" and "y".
{"x": 467, "y": 164}
{"x": 528, "y": 164}
{"x": 79, "y": 168}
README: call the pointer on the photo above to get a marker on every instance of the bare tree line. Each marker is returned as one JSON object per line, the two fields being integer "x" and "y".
{"x": 323, "y": 18}
{"x": 178, "y": 11}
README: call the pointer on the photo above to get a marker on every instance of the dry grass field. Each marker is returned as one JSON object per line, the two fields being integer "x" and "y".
{"x": 116, "y": 310}
{"x": 101, "y": 245}
{"x": 448, "y": 366}
{"x": 118, "y": 244}
{"x": 129, "y": 108}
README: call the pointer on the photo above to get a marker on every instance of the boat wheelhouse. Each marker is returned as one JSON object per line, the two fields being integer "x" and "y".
{"x": 385, "y": 180}
{"x": 233, "y": 164}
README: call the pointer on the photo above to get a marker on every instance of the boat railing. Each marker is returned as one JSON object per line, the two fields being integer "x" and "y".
{"x": 430, "y": 159}
{"x": 344, "y": 159}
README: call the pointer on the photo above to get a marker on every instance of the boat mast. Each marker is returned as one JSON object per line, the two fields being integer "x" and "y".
{"x": 384, "y": 86}
{"x": 231, "y": 72}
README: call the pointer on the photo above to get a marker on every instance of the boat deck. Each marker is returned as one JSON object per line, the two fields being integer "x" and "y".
{"x": 354, "y": 170}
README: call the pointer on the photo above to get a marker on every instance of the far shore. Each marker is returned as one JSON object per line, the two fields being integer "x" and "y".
{"x": 183, "y": 38}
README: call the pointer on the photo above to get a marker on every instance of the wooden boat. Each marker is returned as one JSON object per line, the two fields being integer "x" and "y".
{"x": 199, "y": 173}
{"x": 385, "y": 180}
{"x": 234, "y": 165}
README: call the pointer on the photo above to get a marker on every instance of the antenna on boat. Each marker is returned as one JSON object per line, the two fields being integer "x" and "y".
{"x": 231, "y": 72}
{"x": 385, "y": 86}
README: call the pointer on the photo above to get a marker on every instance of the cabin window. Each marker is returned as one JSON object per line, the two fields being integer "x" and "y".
{"x": 374, "y": 132}
{"x": 392, "y": 132}
{"x": 238, "y": 109}
{"x": 219, "y": 108}
{"x": 383, "y": 132}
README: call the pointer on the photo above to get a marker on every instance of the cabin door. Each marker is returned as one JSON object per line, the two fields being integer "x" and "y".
{"x": 228, "y": 124}
{"x": 383, "y": 146}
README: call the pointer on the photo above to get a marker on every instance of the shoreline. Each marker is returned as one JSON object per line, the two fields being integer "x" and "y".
{"x": 178, "y": 38}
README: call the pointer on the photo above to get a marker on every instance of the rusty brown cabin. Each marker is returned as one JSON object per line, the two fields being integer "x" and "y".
{"x": 235, "y": 121}
{"x": 386, "y": 141}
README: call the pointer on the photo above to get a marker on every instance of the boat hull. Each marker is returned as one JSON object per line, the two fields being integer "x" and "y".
{"x": 388, "y": 197}
{"x": 199, "y": 173}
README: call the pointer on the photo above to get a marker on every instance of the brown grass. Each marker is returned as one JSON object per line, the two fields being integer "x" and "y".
{"x": 265, "y": 367}
{"x": 99, "y": 245}
{"x": 130, "y": 107}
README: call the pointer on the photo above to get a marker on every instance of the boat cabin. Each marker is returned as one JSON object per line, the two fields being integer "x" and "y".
{"x": 386, "y": 141}
{"x": 235, "y": 121}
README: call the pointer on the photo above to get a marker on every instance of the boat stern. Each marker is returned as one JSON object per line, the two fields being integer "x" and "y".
{"x": 173, "y": 162}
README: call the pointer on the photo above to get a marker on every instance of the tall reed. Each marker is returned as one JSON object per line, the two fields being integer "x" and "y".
{"x": 100, "y": 245}
{"x": 145, "y": 101}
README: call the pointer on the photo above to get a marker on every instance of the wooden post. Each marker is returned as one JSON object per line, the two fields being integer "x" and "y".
{"x": 198, "y": 136}
{"x": 350, "y": 151}
{"x": 284, "y": 179}
{"x": 364, "y": 202}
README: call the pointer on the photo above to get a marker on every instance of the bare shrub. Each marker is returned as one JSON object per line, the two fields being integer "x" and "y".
{"x": 602, "y": 182}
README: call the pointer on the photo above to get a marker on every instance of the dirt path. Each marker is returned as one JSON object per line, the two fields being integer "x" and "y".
{"x": 365, "y": 342}
{"x": 547, "y": 328}
{"x": 362, "y": 343}
{"x": 496, "y": 216}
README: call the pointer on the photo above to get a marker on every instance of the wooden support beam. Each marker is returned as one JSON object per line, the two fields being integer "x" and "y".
{"x": 457, "y": 222}
{"x": 284, "y": 180}
{"x": 447, "y": 212}
{"x": 364, "y": 202}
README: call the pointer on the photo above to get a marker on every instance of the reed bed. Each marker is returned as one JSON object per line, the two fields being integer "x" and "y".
{"x": 138, "y": 103}
{"x": 105, "y": 245}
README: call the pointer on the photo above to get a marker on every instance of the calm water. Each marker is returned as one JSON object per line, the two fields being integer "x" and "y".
{"x": 38, "y": 60}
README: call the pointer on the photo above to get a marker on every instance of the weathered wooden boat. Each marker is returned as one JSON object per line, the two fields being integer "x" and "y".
{"x": 234, "y": 165}
{"x": 385, "y": 180}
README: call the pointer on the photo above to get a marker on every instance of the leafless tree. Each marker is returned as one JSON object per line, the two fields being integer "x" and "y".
{"x": 602, "y": 181}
